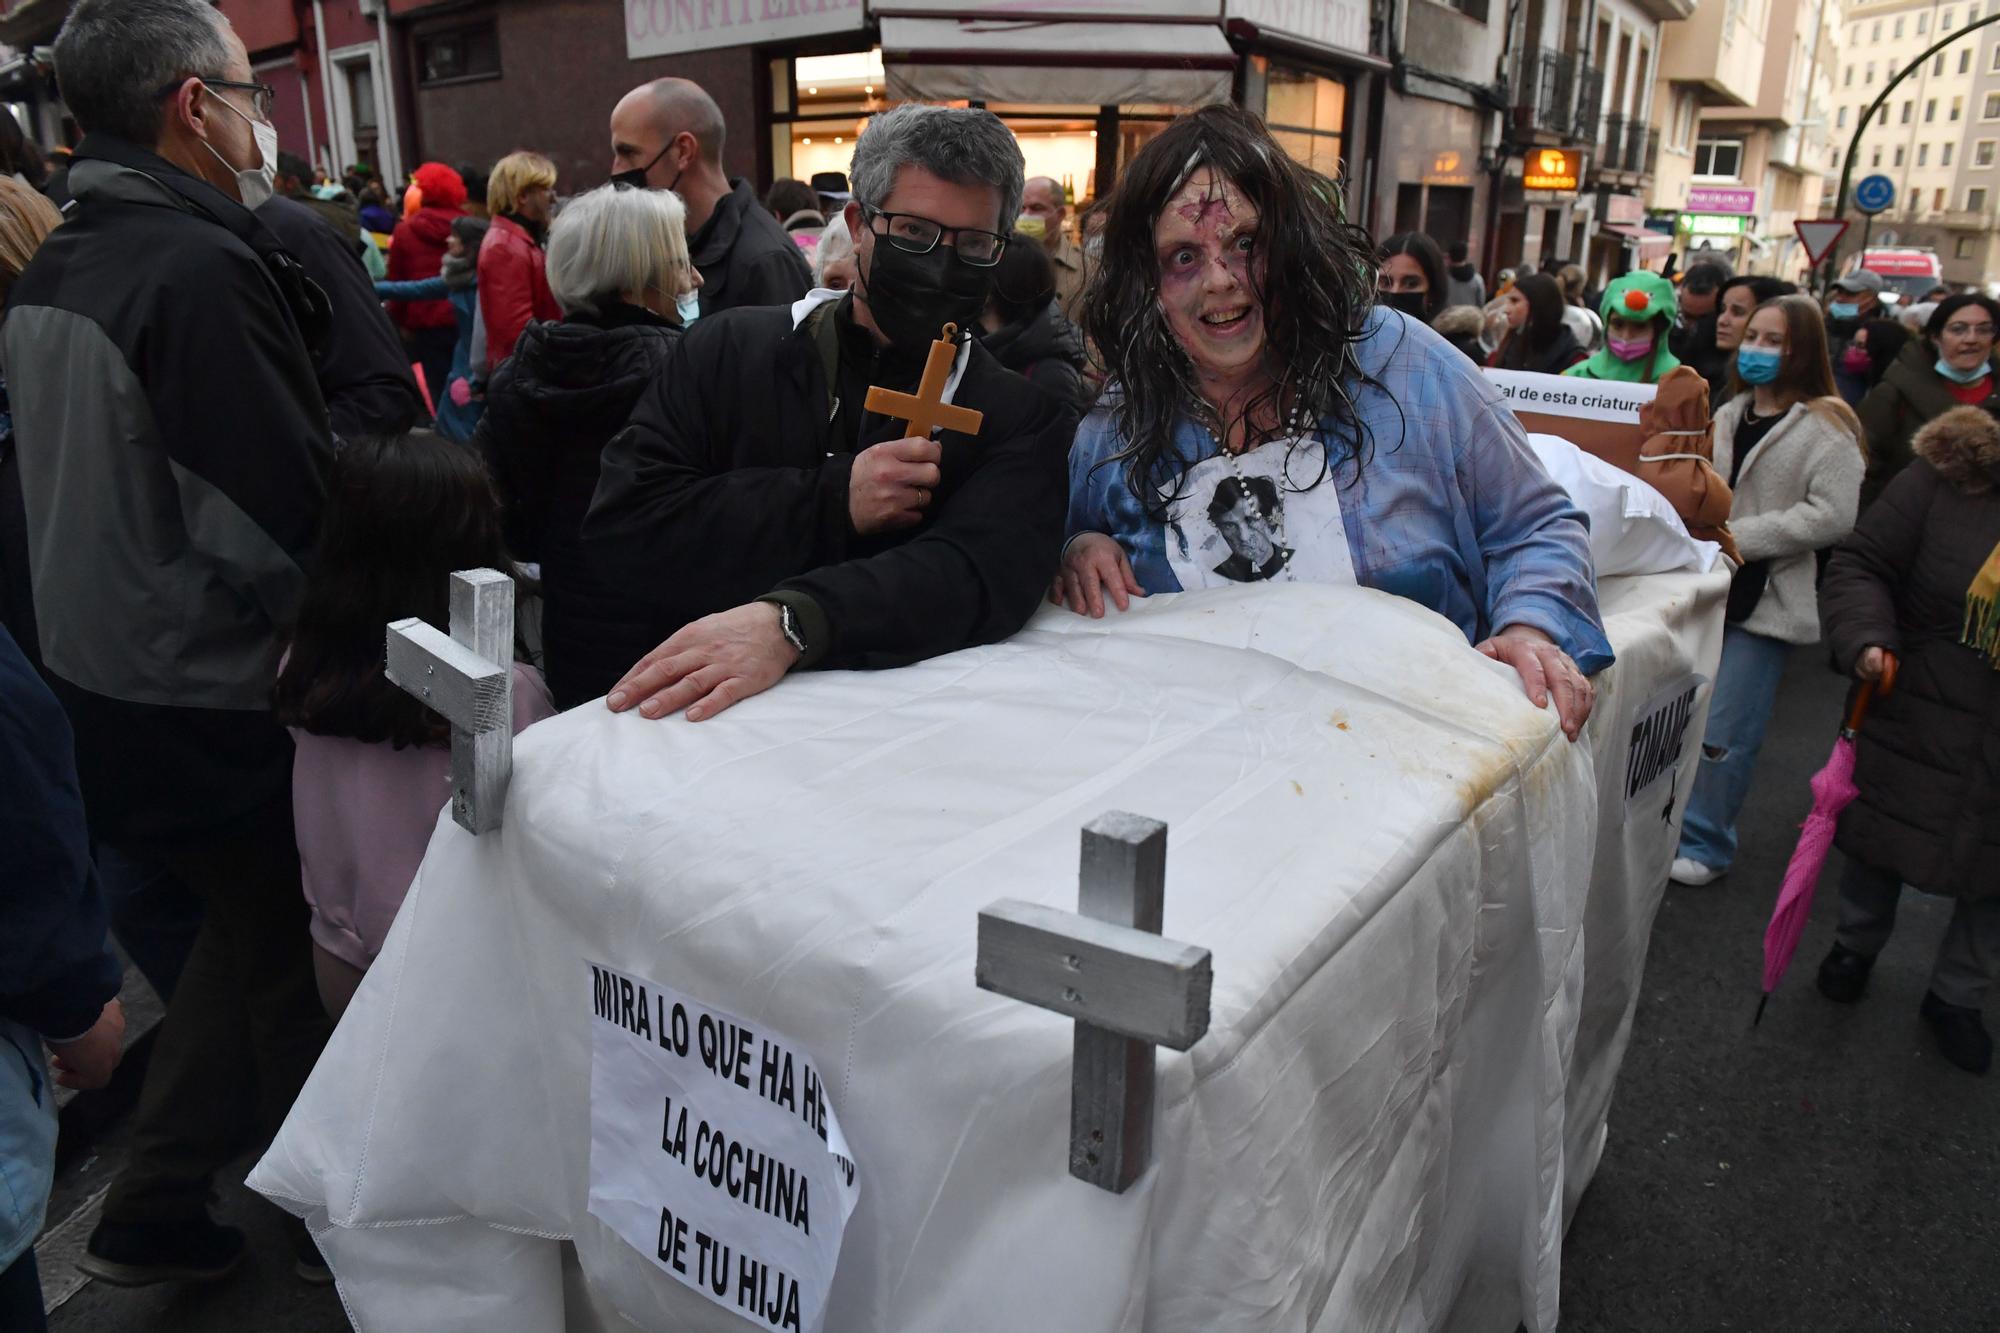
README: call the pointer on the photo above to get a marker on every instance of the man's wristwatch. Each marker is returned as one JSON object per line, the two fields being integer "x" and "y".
{"x": 788, "y": 625}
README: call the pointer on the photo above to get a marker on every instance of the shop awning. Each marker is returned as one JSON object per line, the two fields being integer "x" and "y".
{"x": 1643, "y": 237}
{"x": 1077, "y": 64}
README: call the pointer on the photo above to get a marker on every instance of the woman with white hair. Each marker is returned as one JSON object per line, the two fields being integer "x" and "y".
{"x": 833, "y": 261}
{"x": 618, "y": 266}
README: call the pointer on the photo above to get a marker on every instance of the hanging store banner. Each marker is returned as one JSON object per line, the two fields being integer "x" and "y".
{"x": 672, "y": 27}
{"x": 1721, "y": 199}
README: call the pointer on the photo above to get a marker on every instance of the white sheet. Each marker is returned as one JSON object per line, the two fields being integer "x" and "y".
{"x": 1633, "y": 528}
{"x": 1386, "y": 847}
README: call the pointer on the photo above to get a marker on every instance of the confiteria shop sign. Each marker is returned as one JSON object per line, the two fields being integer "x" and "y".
{"x": 668, "y": 27}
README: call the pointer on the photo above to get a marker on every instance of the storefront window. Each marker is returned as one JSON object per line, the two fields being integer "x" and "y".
{"x": 1307, "y": 114}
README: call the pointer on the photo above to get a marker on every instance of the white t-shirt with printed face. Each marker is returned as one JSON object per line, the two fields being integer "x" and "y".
{"x": 1278, "y": 518}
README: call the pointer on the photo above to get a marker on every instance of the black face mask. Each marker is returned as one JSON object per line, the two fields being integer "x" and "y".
{"x": 635, "y": 178}
{"x": 913, "y": 297}
{"x": 1410, "y": 303}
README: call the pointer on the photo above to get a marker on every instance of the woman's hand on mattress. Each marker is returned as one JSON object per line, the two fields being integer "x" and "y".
{"x": 1092, "y": 565}
{"x": 1546, "y": 673}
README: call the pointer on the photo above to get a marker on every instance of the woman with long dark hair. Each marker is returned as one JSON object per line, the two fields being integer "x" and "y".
{"x": 1537, "y": 337}
{"x": 372, "y": 765}
{"x": 1792, "y": 451}
{"x": 1412, "y": 276}
{"x": 1265, "y": 420}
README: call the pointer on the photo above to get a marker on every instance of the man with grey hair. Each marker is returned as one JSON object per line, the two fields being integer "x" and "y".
{"x": 769, "y": 521}
{"x": 173, "y": 448}
{"x": 667, "y": 135}
{"x": 1045, "y": 214}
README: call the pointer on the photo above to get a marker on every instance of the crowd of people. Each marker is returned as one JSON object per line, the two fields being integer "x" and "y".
{"x": 646, "y": 400}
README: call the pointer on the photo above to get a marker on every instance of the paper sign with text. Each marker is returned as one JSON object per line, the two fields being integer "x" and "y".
{"x": 715, "y": 1152}
{"x": 1571, "y": 396}
{"x": 1661, "y": 734}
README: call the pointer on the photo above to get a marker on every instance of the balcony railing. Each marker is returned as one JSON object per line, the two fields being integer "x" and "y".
{"x": 1628, "y": 144}
{"x": 1554, "y": 94}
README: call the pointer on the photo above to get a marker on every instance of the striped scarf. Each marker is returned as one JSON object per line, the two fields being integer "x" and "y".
{"x": 1982, "y": 611}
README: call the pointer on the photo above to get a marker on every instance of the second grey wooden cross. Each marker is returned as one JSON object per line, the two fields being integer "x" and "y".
{"x": 468, "y": 676}
{"x": 1128, "y": 989}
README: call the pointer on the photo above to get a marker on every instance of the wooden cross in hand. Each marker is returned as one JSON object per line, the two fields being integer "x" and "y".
{"x": 925, "y": 411}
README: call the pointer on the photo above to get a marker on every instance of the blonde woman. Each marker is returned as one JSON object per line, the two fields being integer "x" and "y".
{"x": 618, "y": 264}
{"x": 26, "y": 218}
{"x": 1792, "y": 450}
{"x": 513, "y": 288}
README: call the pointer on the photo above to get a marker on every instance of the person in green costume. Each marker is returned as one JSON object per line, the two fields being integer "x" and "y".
{"x": 1638, "y": 311}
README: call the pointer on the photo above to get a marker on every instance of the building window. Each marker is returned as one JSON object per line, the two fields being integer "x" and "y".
{"x": 1721, "y": 159}
{"x": 1930, "y": 111}
{"x": 455, "y": 54}
{"x": 1937, "y": 65}
{"x": 1944, "y": 21}
{"x": 1875, "y": 34}
{"x": 1991, "y": 111}
{"x": 1975, "y": 198}
{"x": 1906, "y": 112}
{"x": 1996, "y": 60}
{"x": 1868, "y": 73}
{"x": 1944, "y": 155}
{"x": 1957, "y": 107}
{"x": 1914, "y": 194}
{"x": 1899, "y": 28}
{"x": 1840, "y": 119}
{"x": 1307, "y": 113}
{"x": 1964, "y": 249}
{"x": 1964, "y": 62}
{"x": 1876, "y": 160}
{"x": 1899, "y": 155}
{"x": 1923, "y": 154}
{"x": 1982, "y": 153}
{"x": 1923, "y": 23}
{"x": 1937, "y": 200}
{"x": 1847, "y": 77}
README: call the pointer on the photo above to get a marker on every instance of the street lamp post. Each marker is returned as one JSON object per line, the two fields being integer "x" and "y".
{"x": 1854, "y": 144}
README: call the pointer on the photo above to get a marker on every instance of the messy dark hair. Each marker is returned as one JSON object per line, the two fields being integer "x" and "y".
{"x": 403, "y": 512}
{"x": 1313, "y": 275}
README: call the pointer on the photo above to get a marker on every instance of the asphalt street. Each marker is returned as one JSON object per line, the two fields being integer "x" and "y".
{"x": 1824, "y": 1173}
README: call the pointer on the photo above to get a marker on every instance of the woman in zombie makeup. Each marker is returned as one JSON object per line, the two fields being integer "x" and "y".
{"x": 1234, "y": 311}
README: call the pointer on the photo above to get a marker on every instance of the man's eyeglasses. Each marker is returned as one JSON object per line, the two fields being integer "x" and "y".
{"x": 262, "y": 95}
{"x": 1968, "y": 330}
{"x": 920, "y": 236}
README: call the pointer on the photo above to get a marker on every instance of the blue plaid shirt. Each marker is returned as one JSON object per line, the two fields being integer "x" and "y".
{"x": 1451, "y": 509}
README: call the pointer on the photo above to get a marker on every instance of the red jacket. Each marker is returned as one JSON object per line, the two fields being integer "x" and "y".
{"x": 416, "y": 251}
{"x": 513, "y": 287}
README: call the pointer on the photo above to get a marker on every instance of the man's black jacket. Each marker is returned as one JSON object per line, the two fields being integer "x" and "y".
{"x": 363, "y": 371}
{"x": 731, "y": 483}
{"x": 745, "y": 257}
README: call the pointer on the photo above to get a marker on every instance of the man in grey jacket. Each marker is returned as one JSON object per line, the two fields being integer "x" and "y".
{"x": 173, "y": 447}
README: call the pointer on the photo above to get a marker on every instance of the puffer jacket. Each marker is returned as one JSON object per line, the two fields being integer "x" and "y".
{"x": 1046, "y": 350}
{"x": 1910, "y": 394}
{"x": 550, "y": 409}
{"x": 1796, "y": 493}
{"x": 416, "y": 252}
{"x": 1927, "y": 760}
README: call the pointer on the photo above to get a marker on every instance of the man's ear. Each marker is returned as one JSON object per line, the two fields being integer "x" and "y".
{"x": 851, "y": 215}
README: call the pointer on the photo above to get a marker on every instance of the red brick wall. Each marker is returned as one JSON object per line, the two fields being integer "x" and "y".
{"x": 262, "y": 24}
{"x": 563, "y": 68}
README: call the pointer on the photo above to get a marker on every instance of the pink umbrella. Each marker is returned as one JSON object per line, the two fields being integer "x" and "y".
{"x": 1832, "y": 787}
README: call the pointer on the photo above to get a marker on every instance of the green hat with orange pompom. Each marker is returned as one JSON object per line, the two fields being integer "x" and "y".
{"x": 1640, "y": 296}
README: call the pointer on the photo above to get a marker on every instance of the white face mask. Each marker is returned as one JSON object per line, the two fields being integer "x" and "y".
{"x": 688, "y": 306}
{"x": 256, "y": 184}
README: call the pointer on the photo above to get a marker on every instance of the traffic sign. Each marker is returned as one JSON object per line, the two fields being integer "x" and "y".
{"x": 1819, "y": 236}
{"x": 1874, "y": 194}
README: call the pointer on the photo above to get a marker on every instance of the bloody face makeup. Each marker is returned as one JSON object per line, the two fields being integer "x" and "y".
{"x": 1205, "y": 244}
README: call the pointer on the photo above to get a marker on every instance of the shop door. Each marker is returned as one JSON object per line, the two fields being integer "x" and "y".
{"x": 1449, "y": 218}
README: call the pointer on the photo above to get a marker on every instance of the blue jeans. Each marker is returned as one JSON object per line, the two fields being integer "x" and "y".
{"x": 1746, "y": 687}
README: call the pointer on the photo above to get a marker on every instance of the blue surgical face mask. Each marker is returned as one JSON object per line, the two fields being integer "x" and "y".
{"x": 1844, "y": 309}
{"x": 1757, "y": 365}
{"x": 1957, "y": 376}
{"x": 688, "y": 306}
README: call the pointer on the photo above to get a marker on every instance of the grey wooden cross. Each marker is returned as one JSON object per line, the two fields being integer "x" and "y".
{"x": 468, "y": 676}
{"x": 1128, "y": 989}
